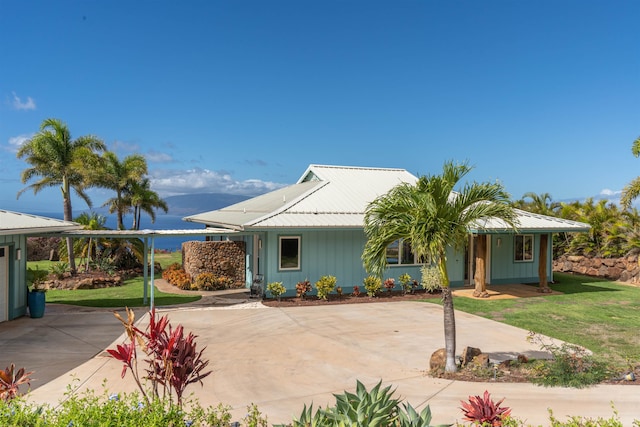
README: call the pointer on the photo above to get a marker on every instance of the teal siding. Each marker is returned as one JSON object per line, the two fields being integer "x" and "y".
{"x": 17, "y": 301}
{"x": 324, "y": 252}
{"x": 505, "y": 270}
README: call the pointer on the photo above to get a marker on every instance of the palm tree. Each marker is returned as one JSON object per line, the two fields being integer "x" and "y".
{"x": 433, "y": 217}
{"x": 632, "y": 190}
{"x": 57, "y": 159}
{"x": 540, "y": 203}
{"x": 143, "y": 199}
{"x": 88, "y": 248}
{"x": 120, "y": 176}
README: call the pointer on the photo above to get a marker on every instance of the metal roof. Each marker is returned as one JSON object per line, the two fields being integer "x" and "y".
{"x": 530, "y": 222}
{"x": 324, "y": 196}
{"x": 127, "y": 234}
{"x": 337, "y": 197}
{"x": 21, "y": 223}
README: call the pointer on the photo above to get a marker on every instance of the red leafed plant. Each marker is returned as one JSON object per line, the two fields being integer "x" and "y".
{"x": 483, "y": 411}
{"x": 172, "y": 357}
{"x": 11, "y": 380}
{"x": 389, "y": 284}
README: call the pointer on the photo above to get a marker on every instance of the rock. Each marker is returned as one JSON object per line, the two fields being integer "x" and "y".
{"x": 438, "y": 360}
{"x": 468, "y": 354}
{"x": 523, "y": 359}
{"x": 481, "y": 360}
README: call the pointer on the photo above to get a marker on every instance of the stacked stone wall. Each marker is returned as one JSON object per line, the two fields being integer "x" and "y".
{"x": 222, "y": 258}
{"x": 625, "y": 269}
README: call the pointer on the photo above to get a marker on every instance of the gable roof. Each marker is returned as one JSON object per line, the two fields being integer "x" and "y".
{"x": 20, "y": 223}
{"x": 337, "y": 197}
{"x": 324, "y": 196}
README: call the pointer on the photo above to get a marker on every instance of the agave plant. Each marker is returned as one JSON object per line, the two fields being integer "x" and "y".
{"x": 483, "y": 411}
{"x": 11, "y": 380}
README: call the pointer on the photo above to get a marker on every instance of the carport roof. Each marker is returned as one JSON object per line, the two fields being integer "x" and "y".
{"x": 21, "y": 223}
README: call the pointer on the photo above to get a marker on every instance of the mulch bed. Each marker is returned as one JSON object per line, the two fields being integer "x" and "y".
{"x": 383, "y": 296}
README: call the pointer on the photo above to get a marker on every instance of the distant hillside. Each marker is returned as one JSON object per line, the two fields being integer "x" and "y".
{"x": 191, "y": 204}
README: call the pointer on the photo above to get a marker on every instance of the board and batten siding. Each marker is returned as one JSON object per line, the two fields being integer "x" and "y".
{"x": 336, "y": 252}
{"x": 504, "y": 268}
{"x": 15, "y": 275}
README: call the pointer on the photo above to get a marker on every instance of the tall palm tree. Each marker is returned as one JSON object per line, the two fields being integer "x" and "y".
{"x": 120, "y": 176}
{"x": 144, "y": 199}
{"x": 433, "y": 217}
{"x": 632, "y": 190}
{"x": 57, "y": 159}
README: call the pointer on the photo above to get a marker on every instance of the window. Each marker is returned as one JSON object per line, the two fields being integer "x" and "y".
{"x": 289, "y": 255}
{"x": 400, "y": 253}
{"x": 523, "y": 248}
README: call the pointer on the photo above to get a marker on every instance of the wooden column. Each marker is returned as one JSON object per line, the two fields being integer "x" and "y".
{"x": 481, "y": 266}
{"x": 542, "y": 263}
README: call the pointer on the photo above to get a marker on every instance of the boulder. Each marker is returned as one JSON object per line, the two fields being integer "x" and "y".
{"x": 468, "y": 354}
{"x": 481, "y": 360}
{"x": 438, "y": 360}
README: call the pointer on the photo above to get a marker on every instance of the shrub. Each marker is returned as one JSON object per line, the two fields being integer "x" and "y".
{"x": 572, "y": 366}
{"x": 276, "y": 289}
{"x": 303, "y": 288}
{"x": 325, "y": 285}
{"x": 431, "y": 280}
{"x": 58, "y": 269}
{"x": 208, "y": 282}
{"x": 405, "y": 282}
{"x": 375, "y": 408}
{"x": 173, "y": 359}
{"x": 389, "y": 284}
{"x": 177, "y": 277}
{"x": 356, "y": 291}
{"x": 11, "y": 380}
{"x": 372, "y": 285}
{"x": 483, "y": 411}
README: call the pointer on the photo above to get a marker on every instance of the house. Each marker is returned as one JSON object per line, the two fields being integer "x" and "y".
{"x": 315, "y": 228}
{"x": 14, "y": 229}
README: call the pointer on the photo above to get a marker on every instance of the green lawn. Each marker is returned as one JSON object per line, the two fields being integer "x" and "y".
{"x": 127, "y": 295}
{"x": 130, "y": 294}
{"x": 599, "y": 315}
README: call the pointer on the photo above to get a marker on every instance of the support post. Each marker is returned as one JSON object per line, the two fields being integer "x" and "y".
{"x": 481, "y": 268}
{"x": 542, "y": 263}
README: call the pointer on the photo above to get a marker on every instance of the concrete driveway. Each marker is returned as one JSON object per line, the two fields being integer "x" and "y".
{"x": 281, "y": 359}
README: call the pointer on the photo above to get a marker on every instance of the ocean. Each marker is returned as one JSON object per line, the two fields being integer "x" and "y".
{"x": 163, "y": 222}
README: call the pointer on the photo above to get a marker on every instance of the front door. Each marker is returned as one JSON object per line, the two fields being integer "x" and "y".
{"x": 4, "y": 283}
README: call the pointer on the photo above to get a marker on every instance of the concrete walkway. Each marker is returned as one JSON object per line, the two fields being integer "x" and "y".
{"x": 281, "y": 359}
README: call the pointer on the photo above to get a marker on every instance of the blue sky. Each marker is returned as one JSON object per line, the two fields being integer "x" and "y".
{"x": 241, "y": 96}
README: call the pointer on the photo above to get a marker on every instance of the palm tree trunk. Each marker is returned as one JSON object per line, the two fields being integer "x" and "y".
{"x": 449, "y": 318}
{"x": 68, "y": 216}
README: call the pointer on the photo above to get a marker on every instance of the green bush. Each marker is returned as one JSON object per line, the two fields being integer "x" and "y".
{"x": 431, "y": 280}
{"x": 372, "y": 285}
{"x": 325, "y": 285}
{"x": 276, "y": 289}
{"x": 374, "y": 408}
{"x": 571, "y": 366}
{"x": 210, "y": 282}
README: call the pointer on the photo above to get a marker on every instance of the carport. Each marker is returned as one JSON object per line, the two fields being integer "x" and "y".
{"x": 148, "y": 238}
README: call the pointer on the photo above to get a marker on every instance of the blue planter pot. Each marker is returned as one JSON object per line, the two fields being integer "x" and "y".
{"x": 36, "y": 302}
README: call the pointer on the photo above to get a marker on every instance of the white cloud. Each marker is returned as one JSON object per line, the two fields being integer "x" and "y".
{"x": 15, "y": 142}
{"x": 158, "y": 157}
{"x": 608, "y": 193}
{"x": 175, "y": 182}
{"x": 17, "y": 103}
{"x": 127, "y": 147}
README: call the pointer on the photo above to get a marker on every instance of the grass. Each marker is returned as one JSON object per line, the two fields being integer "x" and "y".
{"x": 599, "y": 315}
{"x": 127, "y": 295}
{"x": 130, "y": 294}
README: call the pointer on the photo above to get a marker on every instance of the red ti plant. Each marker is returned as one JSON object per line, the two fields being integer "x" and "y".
{"x": 172, "y": 357}
{"x": 483, "y": 411}
{"x": 390, "y": 283}
{"x": 11, "y": 380}
{"x": 356, "y": 291}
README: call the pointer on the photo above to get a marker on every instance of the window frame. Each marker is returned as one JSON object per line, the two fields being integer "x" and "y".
{"x": 298, "y": 266}
{"x": 401, "y": 245}
{"x": 523, "y": 245}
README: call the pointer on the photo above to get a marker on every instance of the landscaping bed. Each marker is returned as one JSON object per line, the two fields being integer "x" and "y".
{"x": 384, "y": 296}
